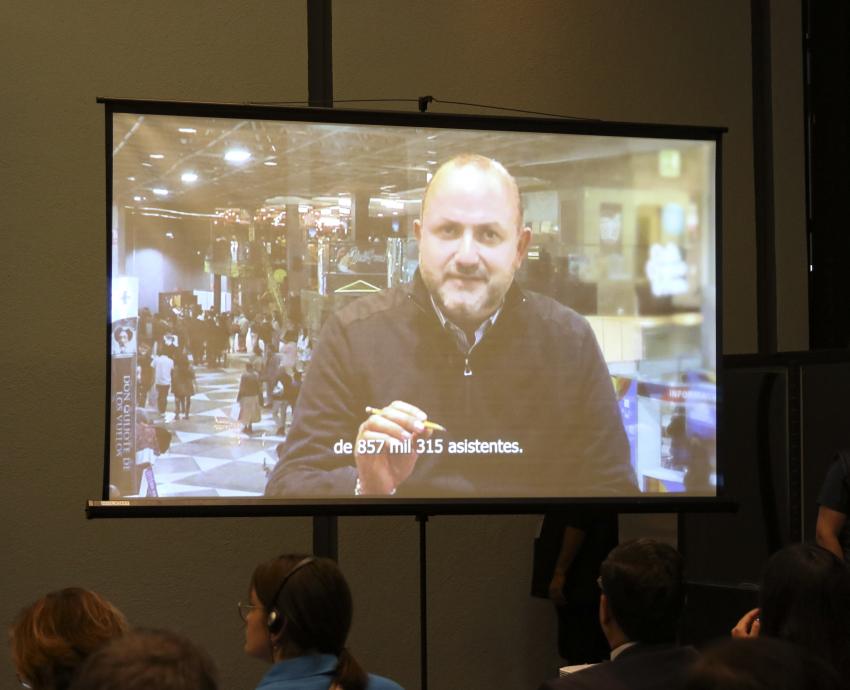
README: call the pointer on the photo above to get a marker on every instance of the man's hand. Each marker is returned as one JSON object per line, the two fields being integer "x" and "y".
{"x": 748, "y": 626}
{"x": 382, "y": 471}
{"x": 556, "y": 589}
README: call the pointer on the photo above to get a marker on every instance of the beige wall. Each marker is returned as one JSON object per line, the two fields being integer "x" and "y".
{"x": 658, "y": 60}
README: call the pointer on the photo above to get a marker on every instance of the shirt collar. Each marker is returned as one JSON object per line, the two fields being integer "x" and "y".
{"x": 622, "y": 648}
{"x": 458, "y": 333}
{"x": 300, "y": 667}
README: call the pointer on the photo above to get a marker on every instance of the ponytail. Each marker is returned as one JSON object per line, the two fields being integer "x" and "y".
{"x": 349, "y": 675}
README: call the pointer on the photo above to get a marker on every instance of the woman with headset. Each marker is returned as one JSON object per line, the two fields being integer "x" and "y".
{"x": 298, "y": 619}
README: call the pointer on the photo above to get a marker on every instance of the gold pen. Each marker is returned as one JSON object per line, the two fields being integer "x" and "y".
{"x": 427, "y": 424}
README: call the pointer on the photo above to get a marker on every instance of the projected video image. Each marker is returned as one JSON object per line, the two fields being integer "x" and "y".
{"x": 322, "y": 310}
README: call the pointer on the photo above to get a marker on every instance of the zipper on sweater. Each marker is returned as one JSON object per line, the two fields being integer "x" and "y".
{"x": 467, "y": 371}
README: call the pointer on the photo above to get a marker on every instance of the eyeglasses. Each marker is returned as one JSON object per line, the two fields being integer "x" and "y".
{"x": 244, "y": 610}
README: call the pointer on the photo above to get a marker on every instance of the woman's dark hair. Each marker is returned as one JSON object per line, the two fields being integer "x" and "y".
{"x": 146, "y": 659}
{"x": 805, "y": 599}
{"x": 313, "y": 607}
{"x": 52, "y": 637}
{"x": 760, "y": 663}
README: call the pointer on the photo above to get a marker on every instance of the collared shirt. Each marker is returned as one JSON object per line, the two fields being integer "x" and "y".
{"x": 459, "y": 335}
{"x": 622, "y": 648}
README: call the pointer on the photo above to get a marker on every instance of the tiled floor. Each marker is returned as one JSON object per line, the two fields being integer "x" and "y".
{"x": 209, "y": 456}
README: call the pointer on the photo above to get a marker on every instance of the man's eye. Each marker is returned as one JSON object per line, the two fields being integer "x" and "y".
{"x": 489, "y": 236}
{"x": 447, "y": 231}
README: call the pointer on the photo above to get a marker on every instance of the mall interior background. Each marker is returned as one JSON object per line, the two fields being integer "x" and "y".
{"x": 662, "y": 61}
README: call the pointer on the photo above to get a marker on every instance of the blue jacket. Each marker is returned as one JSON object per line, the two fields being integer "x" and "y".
{"x": 312, "y": 672}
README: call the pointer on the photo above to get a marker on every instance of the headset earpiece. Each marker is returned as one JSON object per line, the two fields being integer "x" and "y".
{"x": 274, "y": 621}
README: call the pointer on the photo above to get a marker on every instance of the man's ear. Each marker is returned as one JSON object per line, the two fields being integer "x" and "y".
{"x": 417, "y": 229}
{"x": 522, "y": 244}
{"x": 604, "y": 610}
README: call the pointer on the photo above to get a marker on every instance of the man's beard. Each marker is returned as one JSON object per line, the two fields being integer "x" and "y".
{"x": 467, "y": 308}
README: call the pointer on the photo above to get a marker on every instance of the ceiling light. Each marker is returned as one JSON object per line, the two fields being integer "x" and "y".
{"x": 189, "y": 177}
{"x": 158, "y": 156}
{"x": 131, "y": 179}
{"x": 271, "y": 164}
{"x": 428, "y": 177}
{"x": 432, "y": 162}
{"x": 160, "y": 191}
{"x": 237, "y": 155}
{"x": 187, "y": 130}
{"x": 170, "y": 235}
{"x": 137, "y": 198}
{"x": 147, "y": 165}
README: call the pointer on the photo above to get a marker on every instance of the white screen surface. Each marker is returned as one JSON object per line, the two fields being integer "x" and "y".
{"x": 292, "y": 246}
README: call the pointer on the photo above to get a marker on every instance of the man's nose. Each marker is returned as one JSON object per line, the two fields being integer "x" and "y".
{"x": 467, "y": 252}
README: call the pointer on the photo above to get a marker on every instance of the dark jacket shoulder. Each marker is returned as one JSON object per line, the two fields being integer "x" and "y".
{"x": 642, "y": 667}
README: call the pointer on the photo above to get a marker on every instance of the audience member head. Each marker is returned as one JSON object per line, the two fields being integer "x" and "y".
{"x": 760, "y": 663}
{"x": 148, "y": 660}
{"x": 805, "y": 599}
{"x": 642, "y": 593}
{"x": 52, "y": 637}
{"x": 302, "y": 605}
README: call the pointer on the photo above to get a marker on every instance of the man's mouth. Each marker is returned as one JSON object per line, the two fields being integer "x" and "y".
{"x": 467, "y": 279}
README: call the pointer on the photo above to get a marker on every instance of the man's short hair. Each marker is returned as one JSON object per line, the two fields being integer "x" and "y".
{"x": 642, "y": 581}
{"x": 483, "y": 163}
{"x": 147, "y": 659}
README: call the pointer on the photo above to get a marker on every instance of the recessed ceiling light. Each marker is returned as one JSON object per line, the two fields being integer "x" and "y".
{"x": 131, "y": 178}
{"x": 160, "y": 191}
{"x": 271, "y": 164}
{"x": 189, "y": 177}
{"x": 147, "y": 165}
{"x": 137, "y": 198}
{"x": 237, "y": 155}
{"x": 158, "y": 156}
{"x": 170, "y": 235}
{"x": 432, "y": 162}
{"x": 187, "y": 130}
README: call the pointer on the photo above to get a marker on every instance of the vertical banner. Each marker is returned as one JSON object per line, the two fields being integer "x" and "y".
{"x": 123, "y": 345}
{"x": 626, "y": 388}
{"x": 122, "y": 469}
